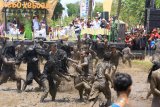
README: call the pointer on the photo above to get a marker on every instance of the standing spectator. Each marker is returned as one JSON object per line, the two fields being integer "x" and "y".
{"x": 103, "y": 23}
{"x": 96, "y": 23}
{"x": 77, "y": 28}
{"x": 14, "y": 21}
{"x": 154, "y": 34}
{"x": 89, "y": 23}
{"x": 8, "y": 25}
{"x": 35, "y": 23}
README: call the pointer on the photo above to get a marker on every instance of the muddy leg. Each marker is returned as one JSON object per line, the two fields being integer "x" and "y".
{"x": 45, "y": 86}
{"x": 130, "y": 64}
{"x": 148, "y": 94}
{"x": 114, "y": 69}
{"x": 81, "y": 94}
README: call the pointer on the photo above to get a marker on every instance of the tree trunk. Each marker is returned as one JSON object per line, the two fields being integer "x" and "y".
{"x": 119, "y": 8}
{"x": 90, "y": 9}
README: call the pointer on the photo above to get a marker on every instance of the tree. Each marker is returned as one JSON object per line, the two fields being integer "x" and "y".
{"x": 98, "y": 8}
{"x": 90, "y": 8}
{"x": 157, "y": 4}
{"x": 73, "y": 9}
{"x": 131, "y": 11}
{"x": 119, "y": 7}
{"x": 58, "y": 10}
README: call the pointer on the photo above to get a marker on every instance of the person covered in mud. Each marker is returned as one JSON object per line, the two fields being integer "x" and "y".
{"x": 75, "y": 54}
{"x": 30, "y": 56}
{"x": 42, "y": 45}
{"x": 92, "y": 54}
{"x": 122, "y": 85}
{"x": 115, "y": 57}
{"x": 60, "y": 56}
{"x": 8, "y": 66}
{"x": 20, "y": 49}
{"x": 155, "y": 86}
{"x": 127, "y": 55}
{"x": 101, "y": 82}
{"x": 52, "y": 74}
{"x": 156, "y": 65}
{"x": 84, "y": 80}
{"x": 1, "y": 48}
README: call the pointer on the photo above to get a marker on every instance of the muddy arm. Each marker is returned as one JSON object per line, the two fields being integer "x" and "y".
{"x": 153, "y": 85}
{"x": 121, "y": 55}
{"x": 7, "y": 62}
{"x": 74, "y": 61}
{"x": 108, "y": 77}
{"x": 85, "y": 63}
{"x": 61, "y": 75}
{"x": 43, "y": 53}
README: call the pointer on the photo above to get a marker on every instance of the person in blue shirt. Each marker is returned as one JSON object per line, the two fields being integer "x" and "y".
{"x": 122, "y": 85}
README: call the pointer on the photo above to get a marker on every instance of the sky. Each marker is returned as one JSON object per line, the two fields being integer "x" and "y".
{"x": 73, "y": 1}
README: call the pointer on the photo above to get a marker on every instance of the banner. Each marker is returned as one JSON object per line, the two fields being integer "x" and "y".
{"x": 95, "y": 31}
{"x": 84, "y": 8}
{"x": 49, "y": 5}
{"x": 107, "y": 5}
{"x": 53, "y": 4}
{"x": 93, "y": 4}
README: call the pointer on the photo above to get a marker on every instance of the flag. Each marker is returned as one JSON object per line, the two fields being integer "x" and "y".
{"x": 93, "y": 4}
{"x": 51, "y": 8}
{"x": 84, "y": 8}
{"x": 107, "y": 5}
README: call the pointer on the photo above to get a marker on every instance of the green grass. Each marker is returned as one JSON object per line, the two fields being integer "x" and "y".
{"x": 143, "y": 64}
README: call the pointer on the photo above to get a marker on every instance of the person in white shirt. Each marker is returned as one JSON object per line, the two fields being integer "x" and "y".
{"x": 77, "y": 27}
{"x": 8, "y": 25}
{"x": 70, "y": 31}
{"x": 96, "y": 23}
{"x": 35, "y": 24}
{"x": 42, "y": 32}
{"x": 14, "y": 30}
{"x": 62, "y": 33}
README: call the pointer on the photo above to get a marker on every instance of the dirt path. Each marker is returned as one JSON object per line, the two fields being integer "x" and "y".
{"x": 10, "y": 98}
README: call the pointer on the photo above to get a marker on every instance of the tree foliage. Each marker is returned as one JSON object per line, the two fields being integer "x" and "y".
{"x": 132, "y": 11}
{"x": 58, "y": 11}
{"x": 65, "y": 22}
{"x": 98, "y": 8}
{"x": 73, "y": 9}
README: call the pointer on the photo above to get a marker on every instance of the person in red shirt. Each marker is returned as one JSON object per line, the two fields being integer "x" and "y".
{"x": 154, "y": 34}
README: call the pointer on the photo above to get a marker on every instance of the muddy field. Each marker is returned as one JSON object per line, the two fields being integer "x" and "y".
{"x": 68, "y": 96}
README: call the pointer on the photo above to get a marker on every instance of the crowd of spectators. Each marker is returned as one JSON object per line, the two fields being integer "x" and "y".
{"x": 138, "y": 39}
